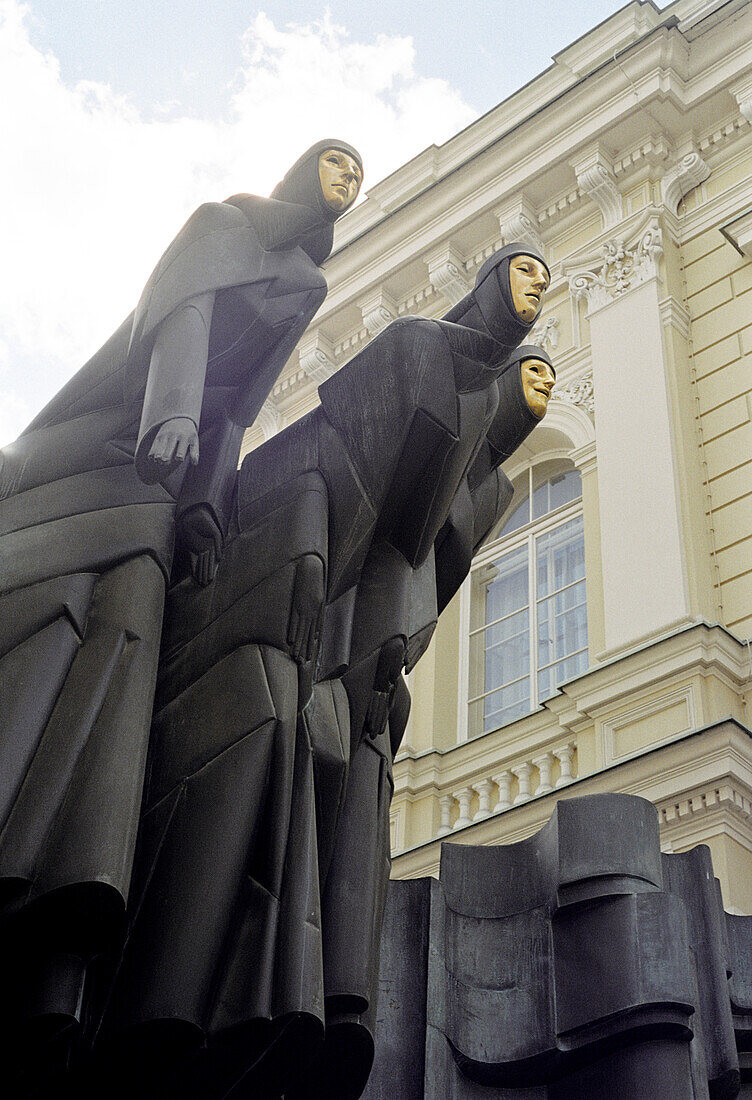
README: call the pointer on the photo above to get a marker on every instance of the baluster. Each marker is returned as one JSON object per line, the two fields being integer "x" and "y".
{"x": 483, "y": 790}
{"x": 523, "y": 772}
{"x": 464, "y": 797}
{"x": 446, "y": 802}
{"x": 504, "y": 782}
{"x": 544, "y": 764}
{"x": 565, "y": 756}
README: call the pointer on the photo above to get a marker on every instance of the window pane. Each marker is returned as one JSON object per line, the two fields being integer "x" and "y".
{"x": 508, "y": 650}
{"x": 508, "y": 591}
{"x": 518, "y": 517}
{"x": 502, "y": 649}
{"x": 554, "y": 485}
{"x": 561, "y": 606}
{"x": 564, "y": 488}
{"x": 506, "y": 704}
{"x": 549, "y": 679}
{"x": 561, "y": 557}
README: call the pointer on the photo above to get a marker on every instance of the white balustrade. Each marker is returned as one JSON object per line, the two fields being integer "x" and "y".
{"x": 526, "y": 772}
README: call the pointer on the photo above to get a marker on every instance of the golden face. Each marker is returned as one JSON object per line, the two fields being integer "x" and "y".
{"x": 340, "y": 176}
{"x": 528, "y": 282}
{"x": 538, "y": 380}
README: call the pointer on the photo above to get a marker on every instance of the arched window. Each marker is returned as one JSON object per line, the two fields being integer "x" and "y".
{"x": 528, "y": 615}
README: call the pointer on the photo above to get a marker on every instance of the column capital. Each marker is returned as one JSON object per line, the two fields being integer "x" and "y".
{"x": 622, "y": 266}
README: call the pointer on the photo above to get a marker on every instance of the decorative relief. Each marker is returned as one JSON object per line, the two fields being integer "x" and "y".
{"x": 599, "y": 185}
{"x": 546, "y": 333}
{"x": 446, "y": 271}
{"x": 518, "y": 221}
{"x": 317, "y": 357}
{"x": 689, "y": 173}
{"x": 595, "y": 177}
{"x": 378, "y": 310}
{"x": 742, "y": 92}
{"x": 578, "y": 391}
{"x": 622, "y": 268}
{"x": 269, "y": 419}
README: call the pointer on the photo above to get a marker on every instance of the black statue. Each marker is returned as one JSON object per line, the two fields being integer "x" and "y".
{"x": 145, "y": 437}
{"x": 263, "y": 855}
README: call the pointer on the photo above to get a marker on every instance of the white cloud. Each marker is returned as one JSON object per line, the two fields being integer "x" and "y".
{"x": 92, "y": 191}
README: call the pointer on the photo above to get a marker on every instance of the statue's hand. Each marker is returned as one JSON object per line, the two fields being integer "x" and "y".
{"x": 377, "y": 713}
{"x": 200, "y": 536}
{"x": 175, "y": 440}
{"x": 390, "y": 664}
{"x": 307, "y": 602}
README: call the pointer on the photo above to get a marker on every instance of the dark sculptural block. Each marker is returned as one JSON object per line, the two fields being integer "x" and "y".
{"x": 579, "y": 962}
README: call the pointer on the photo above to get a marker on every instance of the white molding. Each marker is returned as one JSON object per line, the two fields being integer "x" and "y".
{"x": 739, "y": 233}
{"x": 610, "y": 727}
{"x": 577, "y": 391}
{"x": 742, "y": 93}
{"x": 674, "y": 314}
{"x": 518, "y": 222}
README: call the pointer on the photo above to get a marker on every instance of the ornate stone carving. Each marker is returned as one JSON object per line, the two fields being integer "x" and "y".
{"x": 622, "y": 268}
{"x": 518, "y": 222}
{"x": 446, "y": 271}
{"x": 595, "y": 177}
{"x": 546, "y": 333}
{"x": 269, "y": 418}
{"x": 378, "y": 309}
{"x": 689, "y": 173}
{"x": 742, "y": 92}
{"x": 317, "y": 357}
{"x": 578, "y": 391}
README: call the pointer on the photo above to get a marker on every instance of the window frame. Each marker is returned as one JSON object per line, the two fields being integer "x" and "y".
{"x": 507, "y": 544}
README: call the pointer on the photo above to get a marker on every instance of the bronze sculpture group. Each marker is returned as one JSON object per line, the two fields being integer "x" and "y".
{"x": 196, "y": 747}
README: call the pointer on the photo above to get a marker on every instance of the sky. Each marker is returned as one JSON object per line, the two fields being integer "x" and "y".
{"x": 117, "y": 119}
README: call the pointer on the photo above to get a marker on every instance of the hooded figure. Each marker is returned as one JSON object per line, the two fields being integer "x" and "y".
{"x": 486, "y": 492}
{"x": 88, "y": 501}
{"x": 260, "y": 782}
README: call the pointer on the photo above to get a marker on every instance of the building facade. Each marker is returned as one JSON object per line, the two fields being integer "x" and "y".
{"x": 601, "y": 642}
